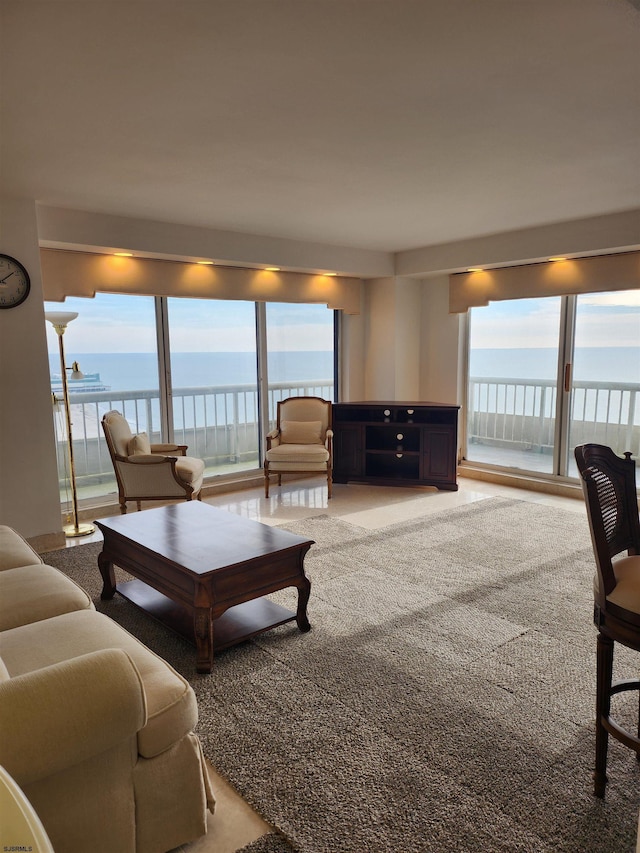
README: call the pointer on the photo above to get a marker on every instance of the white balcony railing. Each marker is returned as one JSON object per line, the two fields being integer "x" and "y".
{"x": 519, "y": 415}
{"x": 218, "y": 423}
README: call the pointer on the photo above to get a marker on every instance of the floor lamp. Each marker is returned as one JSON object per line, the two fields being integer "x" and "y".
{"x": 59, "y": 320}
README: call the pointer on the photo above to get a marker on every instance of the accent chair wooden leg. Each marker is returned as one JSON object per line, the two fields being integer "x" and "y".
{"x": 604, "y": 667}
{"x": 266, "y": 483}
{"x": 123, "y": 507}
{"x": 329, "y": 484}
{"x": 139, "y": 505}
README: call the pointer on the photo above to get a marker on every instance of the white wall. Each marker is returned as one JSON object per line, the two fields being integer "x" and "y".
{"x": 441, "y": 345}
{"x": 351, "y": 356}
{"x": 611, "y": 232}
{"x": 379, "y": 341}
{"x": 75, "y": 229}
{"x": 29, "y": 498}
{"x": 406, "y": 337}
{"x": 391, "y": 346}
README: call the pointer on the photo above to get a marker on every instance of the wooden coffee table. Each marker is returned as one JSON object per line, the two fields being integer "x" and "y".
{"x": 204, "y": 572}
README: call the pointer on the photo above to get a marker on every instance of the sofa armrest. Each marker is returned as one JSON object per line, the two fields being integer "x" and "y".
{"x": 61, "y": 715}
{"x": 328, "y": 441}
{"x": 149, "y": 459}
{"x": 273, "y": 438}
{"x": 170, "y": 448}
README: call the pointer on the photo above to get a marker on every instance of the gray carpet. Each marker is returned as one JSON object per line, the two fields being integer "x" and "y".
{"x": 443, "y": 700}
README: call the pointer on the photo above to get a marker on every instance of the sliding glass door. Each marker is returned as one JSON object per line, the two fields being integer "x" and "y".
{"x": 547, "y": 374}
{"x": 113, "y": 339}
{"x": 300, "y": 352}
{"x": 513, "y": 367}
{"x": 605, "y": 380}
{"x": 212, "y": 364}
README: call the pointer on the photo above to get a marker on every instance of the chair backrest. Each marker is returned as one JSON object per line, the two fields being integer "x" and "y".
{"x": 117, "y": 433}
{"x": 297, "y": 410}
{"x": 609, "y": 487}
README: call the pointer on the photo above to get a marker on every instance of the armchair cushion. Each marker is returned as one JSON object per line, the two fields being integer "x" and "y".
{"x": 301, "y": 432}
{"x": 139, "y": 444}
{"x": 298, "y": 453}
{"x": 190, "y": 470}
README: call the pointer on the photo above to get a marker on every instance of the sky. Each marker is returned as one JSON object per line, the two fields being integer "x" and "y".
{"x": 602, "y": 320}
{"x": 115, "y": 323}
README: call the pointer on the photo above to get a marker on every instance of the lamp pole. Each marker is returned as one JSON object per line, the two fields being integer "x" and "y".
{"x": 59, "y": 320}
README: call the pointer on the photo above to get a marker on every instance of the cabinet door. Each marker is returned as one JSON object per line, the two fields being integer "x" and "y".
{"x": 439, "y": 454}
{"x": 347, "y": 452}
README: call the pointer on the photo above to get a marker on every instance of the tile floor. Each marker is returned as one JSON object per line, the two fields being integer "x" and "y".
{"x": 235, "y": 824}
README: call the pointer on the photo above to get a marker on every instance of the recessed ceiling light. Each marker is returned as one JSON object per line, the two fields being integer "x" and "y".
{"x": 272, "y": 269}
{"x": 205, "y": 263}
{"x": 558, "y": 258}
{"x": 331, "y": 273}
{"x": 123, "y": 254}
{"x": 475, "y": 269}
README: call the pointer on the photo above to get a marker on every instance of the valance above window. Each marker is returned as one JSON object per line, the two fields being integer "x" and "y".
{"x": 551, "y": 278}
{"x": 69, "y": 273}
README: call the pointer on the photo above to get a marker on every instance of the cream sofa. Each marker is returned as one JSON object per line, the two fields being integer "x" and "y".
{"x": 95, "y": 728}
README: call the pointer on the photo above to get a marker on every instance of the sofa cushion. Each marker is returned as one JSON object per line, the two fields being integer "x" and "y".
{"x": 32, "y": 593}
{"x": 172, "y": 710}
{"x": 14, "y": 550}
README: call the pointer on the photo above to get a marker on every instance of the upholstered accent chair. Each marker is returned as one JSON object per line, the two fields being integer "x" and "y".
{"x": 302, "y": 441}
{"x": 609, "y": 487}
{"x": 149, "y": 472}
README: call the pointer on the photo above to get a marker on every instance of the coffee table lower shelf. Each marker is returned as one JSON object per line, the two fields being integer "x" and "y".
{"x": 238, "y": 623}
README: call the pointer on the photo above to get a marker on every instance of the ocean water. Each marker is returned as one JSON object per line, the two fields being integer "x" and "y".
{"x": 596, "y": 364}
{"x": 136, "y": 371}
{"x": 139, "y": 371}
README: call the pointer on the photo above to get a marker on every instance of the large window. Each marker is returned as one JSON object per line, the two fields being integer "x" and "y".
{"x": 113, "y": 339}
{"x": 547, "y": 374}
{"x": 513, "y": 366}
{"x": 300, "y": 352}
{"x": 214, "y": 386}
{"x": 195, "y": 371}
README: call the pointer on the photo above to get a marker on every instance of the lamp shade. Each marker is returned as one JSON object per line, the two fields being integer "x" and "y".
{"x": 60, "y": 319}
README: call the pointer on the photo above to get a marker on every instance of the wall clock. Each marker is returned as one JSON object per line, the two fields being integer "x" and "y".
{"x": 14, "y": 282}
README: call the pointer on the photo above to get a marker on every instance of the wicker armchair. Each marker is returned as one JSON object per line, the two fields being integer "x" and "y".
{"x": 609, "y": 487}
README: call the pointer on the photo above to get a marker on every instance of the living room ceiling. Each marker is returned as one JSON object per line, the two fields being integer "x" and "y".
{"x": 377, "y": 124}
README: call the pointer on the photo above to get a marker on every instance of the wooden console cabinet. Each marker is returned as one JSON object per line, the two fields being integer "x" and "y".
{"x": 396, "y": 444}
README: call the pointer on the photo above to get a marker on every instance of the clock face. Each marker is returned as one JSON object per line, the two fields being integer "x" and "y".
{"x": 14, "y": 282}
